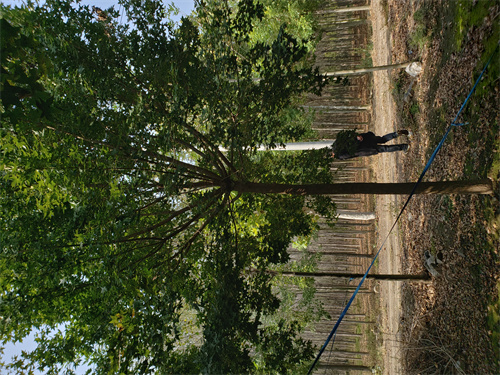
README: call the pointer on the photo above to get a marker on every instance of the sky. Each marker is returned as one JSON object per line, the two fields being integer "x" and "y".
{"x": 185, "y": 7}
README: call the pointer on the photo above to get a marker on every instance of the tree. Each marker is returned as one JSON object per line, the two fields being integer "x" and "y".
{"x": 117, "y": 207}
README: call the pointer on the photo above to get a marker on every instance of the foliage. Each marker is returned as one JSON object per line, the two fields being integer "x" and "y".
{"x": 419, "y": 38}
{"x": 345, "y": 143}
{"x": 297, "y": 15}
{"x": 117, "y": 207}
{"x": 468, "y": 14}
{"x": 302, "y": 306}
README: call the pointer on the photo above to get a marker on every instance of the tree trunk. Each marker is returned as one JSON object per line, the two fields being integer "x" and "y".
{"x": 367, "y": 70}
{"x": 294, "y": 146}
{"x": 389, "y": 277}
{"x": 345, "y": 10}
{"x": 442, "y": 187}
{"x": 355, "y": 71}
{"x": 349, "y": 215}
{"x": 346, "y": 368}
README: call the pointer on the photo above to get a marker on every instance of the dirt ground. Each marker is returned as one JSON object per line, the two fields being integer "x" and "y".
{"x": 443, "y": 327}
{"x": 385, "y": 169}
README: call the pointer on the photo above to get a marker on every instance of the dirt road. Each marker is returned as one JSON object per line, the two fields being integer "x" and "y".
{"x": 384, "y": 166}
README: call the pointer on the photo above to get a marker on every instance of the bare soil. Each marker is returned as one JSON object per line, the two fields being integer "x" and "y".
{"x": 384, "y": 167}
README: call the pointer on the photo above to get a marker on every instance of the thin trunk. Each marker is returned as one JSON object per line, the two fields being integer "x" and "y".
{"x": 367, "y": 70}
{"x": 345, "y": 10}
{"x": 346, "y": 254}
{"x": 338, "y": 107}
{"x": 346, "y": 368}
{"x": 350, "y": 215}
{"x": 442, "y": 187}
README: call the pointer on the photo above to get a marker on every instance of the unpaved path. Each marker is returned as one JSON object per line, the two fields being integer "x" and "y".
{"x": 384, "y": 166}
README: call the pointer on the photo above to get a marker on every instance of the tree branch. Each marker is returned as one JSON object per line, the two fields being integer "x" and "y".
{"x": 174, "y": 233}
{"x": 172, "y": 216}
{"x": 201, "y": 171}
{"x": 219, "y": 166}
{"x": 213, "y": 149}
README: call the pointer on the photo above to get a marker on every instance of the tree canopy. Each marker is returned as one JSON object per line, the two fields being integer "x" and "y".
{"x": 119, "y": 212}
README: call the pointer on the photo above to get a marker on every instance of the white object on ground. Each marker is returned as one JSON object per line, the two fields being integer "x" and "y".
{"x": 414, "y": 69}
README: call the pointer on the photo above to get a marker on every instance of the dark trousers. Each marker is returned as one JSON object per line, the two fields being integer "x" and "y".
{"x": 386, "y": 138}
{"x": 391, "y": 148}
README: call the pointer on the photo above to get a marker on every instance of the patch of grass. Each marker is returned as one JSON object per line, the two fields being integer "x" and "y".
{"x": 487, "y": 236}
{"x": 482, "y": 113}
{"x": 420, "y": 38}
{"x": 357, "y": 344}
{"x": 491, "y": 76}
{"x": 414, "y": 109}
{"x": 385, "y": 7}
{"x": 484, "y": 161}
{"x": 468, "y": 14}
{"x": 372, "y": 341}
{"x": 397, "y": 87}
{"x": 494, "y": 322}
{"x": 420, "y": 15}
{"x": 366, "y": 55}
{"x": 447, "y": 206}
{"x": 469, "y": 167}
{"x": 494, "y": 171}
{"x": 373, "y": 346}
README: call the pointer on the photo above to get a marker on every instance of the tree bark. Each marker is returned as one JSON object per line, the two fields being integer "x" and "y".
{"x": 367, "y": 70}
{"x": 346, "y": 368}
{"x": 442, "y": 187}
{"x": 345, "y": 10}
{"x": 350, "y": 215}
{"x": 387, "y": 277}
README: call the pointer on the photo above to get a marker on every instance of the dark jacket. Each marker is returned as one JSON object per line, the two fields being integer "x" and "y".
{"x": 366, "y": 147}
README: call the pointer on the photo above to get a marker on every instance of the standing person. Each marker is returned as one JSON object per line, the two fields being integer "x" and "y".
{"x": 350, "y": 145}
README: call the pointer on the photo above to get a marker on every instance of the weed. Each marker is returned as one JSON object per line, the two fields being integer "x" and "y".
{"x": 420, "y": 38}
{"x": 385, "y": 7}
{"x": 358, "y": 329}
{"x": 419, "y": 16}
{"x": 397, "y": 87}
{"x": 468, "y": 14}
{"x": 447, "y": 206}
{"x": 414, "y": 109}
{"x": 357, "y": 344}
{"x": 440, "y": 358}
{"x": 494, "y": 322}
{"x": 494, "y": 172}
{"x": 366, "y": 53}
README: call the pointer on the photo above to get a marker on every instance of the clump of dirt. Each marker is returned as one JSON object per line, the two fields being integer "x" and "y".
{"x": 444, "y": 324}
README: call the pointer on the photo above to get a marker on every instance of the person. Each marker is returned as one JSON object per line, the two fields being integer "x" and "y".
{"x": 350, "y": 145}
